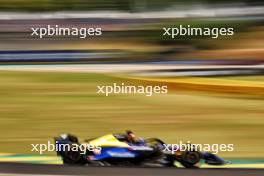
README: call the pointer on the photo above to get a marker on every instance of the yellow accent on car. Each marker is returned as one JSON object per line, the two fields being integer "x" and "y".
{"x": 108, "y": 141}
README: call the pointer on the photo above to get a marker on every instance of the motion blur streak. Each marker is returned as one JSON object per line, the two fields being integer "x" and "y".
{"x": 215, "y": 86}
{"x": 195, "y": 12}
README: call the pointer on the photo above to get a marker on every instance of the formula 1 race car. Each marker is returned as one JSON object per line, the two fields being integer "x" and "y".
{"x": 115, "y": 150}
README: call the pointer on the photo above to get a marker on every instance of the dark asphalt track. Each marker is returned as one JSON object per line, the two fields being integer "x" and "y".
{"x": 32, "y": 169}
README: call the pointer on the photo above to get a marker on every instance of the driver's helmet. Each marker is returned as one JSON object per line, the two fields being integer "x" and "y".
{"x": 131, "y": 137}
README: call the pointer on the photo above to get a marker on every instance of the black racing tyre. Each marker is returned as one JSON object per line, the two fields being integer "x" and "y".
{"x": 73, "y": 138}
{"x": 71, "y": 153}
{"x": 190, "y": 159}
{"x": 72, "y": 157}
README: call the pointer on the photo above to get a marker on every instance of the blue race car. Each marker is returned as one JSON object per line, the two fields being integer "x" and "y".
{"x": 117, "y": 150}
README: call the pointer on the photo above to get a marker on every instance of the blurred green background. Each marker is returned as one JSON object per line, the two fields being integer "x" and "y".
{"x": 37, "y": 106}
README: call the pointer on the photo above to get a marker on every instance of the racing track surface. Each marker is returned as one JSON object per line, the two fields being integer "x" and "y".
{"x": 41, "y": 169}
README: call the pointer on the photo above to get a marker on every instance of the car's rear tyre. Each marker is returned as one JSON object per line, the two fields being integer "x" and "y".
{"x": 72, "y": 138}
{"x": 190, "y": 159}
{"x": 73, "y": 156}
